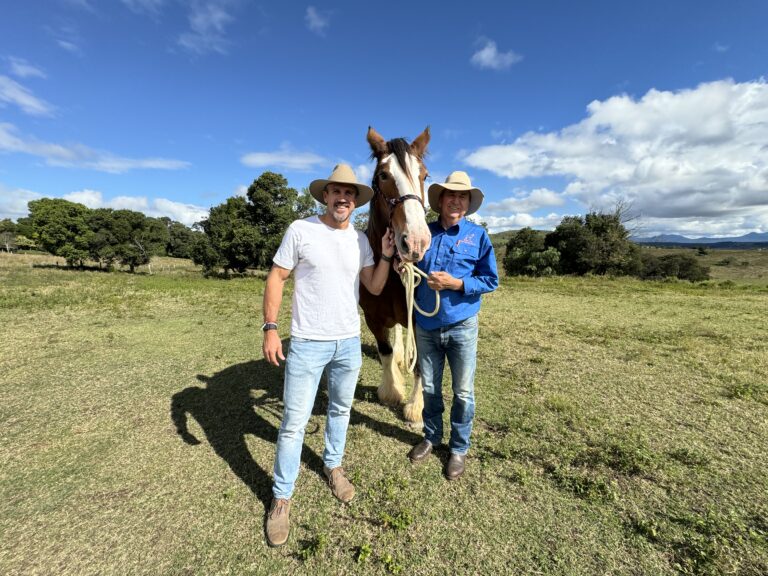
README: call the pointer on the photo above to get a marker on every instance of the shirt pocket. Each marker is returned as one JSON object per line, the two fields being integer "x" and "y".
{"x": 463, "y": 260}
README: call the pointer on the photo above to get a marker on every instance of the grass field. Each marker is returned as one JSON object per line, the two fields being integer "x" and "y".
{"x": 622, "y": 428}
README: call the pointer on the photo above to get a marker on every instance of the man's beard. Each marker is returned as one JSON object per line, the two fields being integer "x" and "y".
{"x": 339, "y": 218}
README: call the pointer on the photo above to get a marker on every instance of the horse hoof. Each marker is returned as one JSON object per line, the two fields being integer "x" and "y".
{"x": 412, "y": 413}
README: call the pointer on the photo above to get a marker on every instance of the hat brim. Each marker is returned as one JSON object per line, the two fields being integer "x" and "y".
{"x": 364, "y": 193}
{"x": 475, "y": 196}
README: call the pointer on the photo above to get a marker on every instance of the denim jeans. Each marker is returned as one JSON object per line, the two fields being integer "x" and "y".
{"x": 458, "y": 343}
{"x": 306, "y": 361}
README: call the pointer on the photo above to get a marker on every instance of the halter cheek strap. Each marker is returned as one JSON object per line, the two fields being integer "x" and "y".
{"x": 393, "y": 202}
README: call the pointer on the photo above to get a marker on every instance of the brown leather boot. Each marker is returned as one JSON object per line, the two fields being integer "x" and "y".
{"x": 341, "y": 487}
{"x": 455, "y": 467}
{"x": 420, "y": 452}
{"x": 278, "y": 525}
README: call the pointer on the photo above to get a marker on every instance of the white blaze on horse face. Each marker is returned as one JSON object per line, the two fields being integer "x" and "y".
{"x": 412, "y": 242}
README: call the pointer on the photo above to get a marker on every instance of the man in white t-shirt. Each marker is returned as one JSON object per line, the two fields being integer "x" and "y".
{"x": 329, "y": 259}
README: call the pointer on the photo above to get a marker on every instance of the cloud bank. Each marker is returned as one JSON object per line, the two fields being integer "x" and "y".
{"x": 686, "y": 160}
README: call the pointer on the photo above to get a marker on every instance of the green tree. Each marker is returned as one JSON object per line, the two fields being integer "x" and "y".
{"x": 8, "y": 232}
{"x": 60, "y": 228}
{"x": 273, "y": 205}
{"x": 681, "y": 266}
{"x": 180, "y": 239}
{"x": 102, "y": 244}
{"x": 137, "y": 238}
{"x": 24, "y": 227}
{"x": 520, "y": 247}
{"x": 306, "y": 205}
{"x": 597, "y": 243}
{"x": 232, "y": 237}
{"x": 246, "y": 232}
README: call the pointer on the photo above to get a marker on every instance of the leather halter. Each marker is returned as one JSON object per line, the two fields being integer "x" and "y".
{"x": 394, "y": 202}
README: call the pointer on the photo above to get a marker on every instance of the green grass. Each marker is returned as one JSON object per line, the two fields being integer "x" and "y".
{"x": 622, "y": 428}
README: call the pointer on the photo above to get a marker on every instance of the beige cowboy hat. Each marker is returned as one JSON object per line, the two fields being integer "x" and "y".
{"x": 342, "y": 174}
{"x": 457, "y": 180}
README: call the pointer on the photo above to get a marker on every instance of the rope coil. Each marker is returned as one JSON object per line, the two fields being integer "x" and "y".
{"x": 411, "y": 276}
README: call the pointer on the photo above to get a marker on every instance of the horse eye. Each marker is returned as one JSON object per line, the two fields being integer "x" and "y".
{"x": 383, "y": 175}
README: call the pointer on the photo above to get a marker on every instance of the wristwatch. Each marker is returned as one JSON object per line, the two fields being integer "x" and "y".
{"x": 269, "y": 326}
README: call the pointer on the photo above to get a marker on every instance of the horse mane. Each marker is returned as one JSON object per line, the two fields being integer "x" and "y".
{"x": 399, "y": 147}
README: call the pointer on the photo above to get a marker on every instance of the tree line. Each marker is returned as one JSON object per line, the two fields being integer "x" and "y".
{"x": 102, "y": 235}
{"x": 244, "y": 232}
{"x": 238, "y": 234}
{"x": 597, "y": 243}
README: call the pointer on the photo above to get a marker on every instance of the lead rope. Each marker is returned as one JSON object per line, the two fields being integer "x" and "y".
{"x": 411, "y": 276}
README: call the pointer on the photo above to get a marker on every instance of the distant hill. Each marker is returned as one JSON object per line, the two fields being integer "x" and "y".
{"x": 752, "y": 237}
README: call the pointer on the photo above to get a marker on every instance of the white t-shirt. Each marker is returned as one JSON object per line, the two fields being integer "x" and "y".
{"x": 326, "y": 264}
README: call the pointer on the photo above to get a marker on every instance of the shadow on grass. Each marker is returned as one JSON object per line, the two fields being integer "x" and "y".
{"x": 234, "y": 403}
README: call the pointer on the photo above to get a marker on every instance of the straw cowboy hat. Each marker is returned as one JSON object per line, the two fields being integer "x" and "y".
{"x": 457, "y": 180}
{"x": 342, "y": 174}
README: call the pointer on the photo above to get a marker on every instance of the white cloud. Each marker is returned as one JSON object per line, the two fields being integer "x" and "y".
{"x": 488, "y": 56}
{"x": 207, "y": 23}
{"x": 69, "y": 46}
{"x": 23, "y": 69}
{"x": 364, "y": 173}
{"x": 150, "y": 7}
{"x": 720, "y": 47}
{"x": 83, "y": 4}
{"x": 697, "y": 154}
{"x": 13, "y": 202}
{"x": 241, "y": 190}
{"x": 185, "y": 213}
{"x": 521, "y": 220}
{"x": 89, "y": 198}
{"x": 80, "y": 156}
{"x": 315, "y": 21}
{"x": 284, "y": 158}
{"x": 538, "y": 198}
{"x": 11, "y": 92}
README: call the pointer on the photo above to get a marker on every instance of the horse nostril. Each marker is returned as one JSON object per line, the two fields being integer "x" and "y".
{"x": 404, "y": 243}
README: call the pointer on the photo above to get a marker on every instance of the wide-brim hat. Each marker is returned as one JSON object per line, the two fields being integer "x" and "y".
{"x": 457, "y": 180}
{"x": 342, "y": 174}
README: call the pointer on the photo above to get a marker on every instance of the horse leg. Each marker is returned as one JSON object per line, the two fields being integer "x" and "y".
{"x": 392, "y": 388}
{"x": 414, "y": 407}
{"x": 398, "y": 351}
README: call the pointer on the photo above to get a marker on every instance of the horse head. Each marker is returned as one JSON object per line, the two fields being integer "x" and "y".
{"x": 399, "y": 200}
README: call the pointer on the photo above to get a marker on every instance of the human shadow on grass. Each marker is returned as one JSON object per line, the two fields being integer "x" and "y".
{"x": 235, "y": 402}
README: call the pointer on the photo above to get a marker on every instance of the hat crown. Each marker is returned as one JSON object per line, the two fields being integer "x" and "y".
{"x": 343, "y": 174}
{"x": 459, "y": 177}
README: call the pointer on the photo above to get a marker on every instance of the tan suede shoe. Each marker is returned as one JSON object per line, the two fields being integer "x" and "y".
{"x": 341, "y": 487}
{"x": 278, "y": 525}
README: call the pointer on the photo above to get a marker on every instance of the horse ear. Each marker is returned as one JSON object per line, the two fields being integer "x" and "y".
{"x": 419, "y": 146}
{"x": 377, "y": 143}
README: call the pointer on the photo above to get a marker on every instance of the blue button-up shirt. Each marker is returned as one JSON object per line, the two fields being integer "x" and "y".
{"x": 465, "y": 252}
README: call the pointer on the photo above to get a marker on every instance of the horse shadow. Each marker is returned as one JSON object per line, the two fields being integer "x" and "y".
{"x": 236, "y": 401}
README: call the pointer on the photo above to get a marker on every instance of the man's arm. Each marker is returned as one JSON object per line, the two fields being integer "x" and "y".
{"x": 273, "y": 295}
{"x": 374, "y": 278}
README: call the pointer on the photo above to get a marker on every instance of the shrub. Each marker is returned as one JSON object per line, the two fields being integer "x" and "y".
{"x": 681, "y": 266}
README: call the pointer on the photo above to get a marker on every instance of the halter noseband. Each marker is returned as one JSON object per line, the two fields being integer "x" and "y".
{"x": 393, "y": 202}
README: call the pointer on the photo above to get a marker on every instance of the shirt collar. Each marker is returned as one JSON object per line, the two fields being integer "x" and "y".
{"x": 454, "y": 230}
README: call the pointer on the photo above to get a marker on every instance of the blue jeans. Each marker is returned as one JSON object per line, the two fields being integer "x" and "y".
{"x": 458, "y": 343}
{"x": 306, "y": 361}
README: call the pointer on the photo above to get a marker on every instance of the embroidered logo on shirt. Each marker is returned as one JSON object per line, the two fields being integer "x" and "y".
{"x": 469, "y": 240}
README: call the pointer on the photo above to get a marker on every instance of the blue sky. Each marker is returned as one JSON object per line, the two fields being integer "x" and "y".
{"x": 553, "y": 107}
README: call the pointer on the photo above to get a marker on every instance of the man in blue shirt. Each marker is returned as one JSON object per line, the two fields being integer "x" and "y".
{"x": 461, "y": 264}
